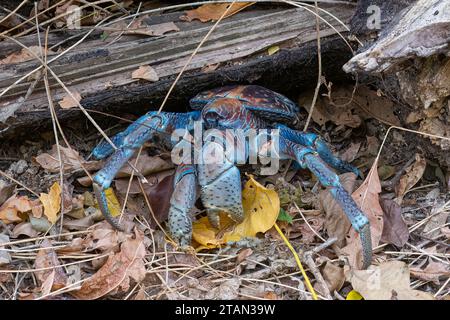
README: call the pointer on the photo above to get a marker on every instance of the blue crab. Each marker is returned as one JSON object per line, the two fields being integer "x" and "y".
{"x": 232, "y": 107}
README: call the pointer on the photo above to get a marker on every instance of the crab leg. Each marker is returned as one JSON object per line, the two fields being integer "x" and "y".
{"x": 181, "y": 204}
{"x": 309, "y": 158}
{"x": 136, "y": 137}
{"x": 315, "y": 142}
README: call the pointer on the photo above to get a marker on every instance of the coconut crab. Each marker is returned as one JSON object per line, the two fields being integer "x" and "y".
{"x": 232, "y": 107}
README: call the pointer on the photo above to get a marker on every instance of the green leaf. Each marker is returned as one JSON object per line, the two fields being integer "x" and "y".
{"x": 284, "y": 216}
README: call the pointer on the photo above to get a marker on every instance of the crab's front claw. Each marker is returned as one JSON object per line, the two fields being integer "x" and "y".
{"x": 220, "y": 181}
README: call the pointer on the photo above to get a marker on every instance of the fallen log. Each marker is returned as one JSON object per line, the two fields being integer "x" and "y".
{"x": 236, "y": 52}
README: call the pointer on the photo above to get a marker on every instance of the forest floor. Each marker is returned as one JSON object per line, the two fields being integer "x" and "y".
{"x": 48, "y": 255}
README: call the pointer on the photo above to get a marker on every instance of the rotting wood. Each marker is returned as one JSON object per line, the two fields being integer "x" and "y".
{"x": 102, "y": 74}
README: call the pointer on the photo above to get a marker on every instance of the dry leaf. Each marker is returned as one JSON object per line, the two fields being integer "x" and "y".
{"x": 11, "y": 209}
{"x": 336, "y": 222}
{"x": 410, "y": 178}
{"x": 227, "y": 290}
{"x": 24, "y": 55}
{"x": 70, "y": 158}
{"x": 395, "y": 230}
{"x": 390, "y": 280}
{"x": 432, "y": 272}
{"x": 68, "y": 102}
{"x": 52, "y": 202}
{"x": 24, "y": 228}
{"x": 214, "y": 11}
{"x": 116, "y": 272}
{"x": 308, "y": 235}
{"x": 351, "y": 152}
{"x": 6, "y": 191}
{"x": 367, "y": 199}
{"x": 47, "y": 258}
{"x": 333, "y": 276}
{"x": 261, "y": 208}
{"x": 145, "y": 73}
{"x": 5, "y": 257}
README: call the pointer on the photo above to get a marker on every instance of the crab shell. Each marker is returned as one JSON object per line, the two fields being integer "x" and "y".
{"x": 267, "y": 104}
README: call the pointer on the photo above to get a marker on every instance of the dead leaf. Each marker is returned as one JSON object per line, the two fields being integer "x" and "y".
{"x": 79, "y": 224}
{"x": 24, "y": 228}
{"x": 227, "y": 290}
{"x": 336, "y": 222}
{"x": 214, "y": 11}
{"x": 12, "y": 208}
{"x": 395, "y": 230}
{"x": 41, "y": 224}
{"x": 367, "y": 199}
{"x": 71, "y": 159}
{"x": 410, "y": 178}
{"x": 308, "y": 235}
{"x": 5, "y": 257}
{"x": 145, "y": 73}
{"x": 116, "y": 272}
{"x": 351, "y": 152}
{"x": 146, "y": 165}
{"x": 446, "y": 232}
{"x": 6, "y": 191}
{"x": 261, "y": 208}
{"x": 47, "y": 258}
{"x": 68, "y": 102}
{"x": 432, "y": 272}
{"x": 52, "y": 202}
{"x": 24, "y": 55}
{"x": 333, "y": 276}
{"x": 387, "y": 281}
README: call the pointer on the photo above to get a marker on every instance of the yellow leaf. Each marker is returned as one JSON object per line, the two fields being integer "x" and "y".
{"x": 113, "y": 203}
{"x": 354, "y": 295}
{"x": 261, "y": 208}
{"x": 52, "y": 202}
{"x": 272, "y": 50}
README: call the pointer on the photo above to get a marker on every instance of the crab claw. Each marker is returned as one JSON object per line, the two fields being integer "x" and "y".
{"x": 103, "y": 205}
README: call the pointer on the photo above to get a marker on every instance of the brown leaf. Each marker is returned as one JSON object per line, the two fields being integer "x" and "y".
{"x": 24, "y": 55}
{"x": 71, "y": 159}
{"x": 6, "y": 191}
{"x": 367, "y": 199}
{"x": 333, "y": 276}
{"x": 227, "y": 290}
{"x": 395, "y": 230}
{"x": 47, "y": 258}
{"x": 68, "y": 102}
{"x": 446, "y": 232}
{"x": 390, "y": 280}
{"x": 117, "y": 270}
{"x": 146, "y": 165}
{"x": 336, "y": 222}
{"x": 351, "y": 152}
{"x": 140, "y": 27}
{"x": 308, "y": 235}
{"x": 10, "y": 210}
{"x": 24, "y": 228}
{"x": 214, "y": 11}
{"x": 145, "y": 73}
{"x": 432, "y": 272}
{"x": 411, "y": 177}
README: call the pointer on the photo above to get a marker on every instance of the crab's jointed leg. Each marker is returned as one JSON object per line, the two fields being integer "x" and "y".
{"x": 181, "y": 204}
{"x": 315, "y": 142}
{"x": 134, "y": 137}
{"x": 309, "y": 158}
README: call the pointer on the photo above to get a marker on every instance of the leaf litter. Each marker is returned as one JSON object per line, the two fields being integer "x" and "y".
{"x": 90, "y": 260}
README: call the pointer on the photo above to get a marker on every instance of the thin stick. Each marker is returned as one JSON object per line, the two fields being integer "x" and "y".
{"x": 19, "y": 183}
{"x": 193, "y": 54}
{"x": 319, "y": 76}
